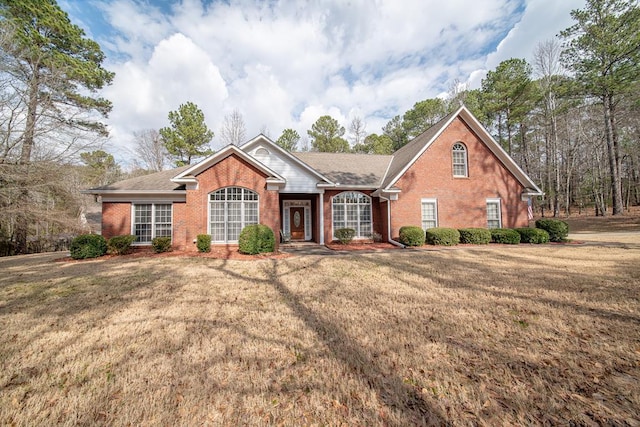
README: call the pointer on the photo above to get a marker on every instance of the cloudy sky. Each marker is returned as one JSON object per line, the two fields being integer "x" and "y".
{"x": 285, "y": 63}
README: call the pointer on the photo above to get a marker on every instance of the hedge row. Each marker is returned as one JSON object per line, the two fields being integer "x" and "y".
{"x": 546, "y": 230}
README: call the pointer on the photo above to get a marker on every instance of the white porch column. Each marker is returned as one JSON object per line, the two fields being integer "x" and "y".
{"x": 321, "y": 209}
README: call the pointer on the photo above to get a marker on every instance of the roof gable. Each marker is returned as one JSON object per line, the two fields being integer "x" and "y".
{"x": 285, "y": 155}
{"x": 405, "y": 157}
{"x": 188, "y": 176}
{"x": 408, "y": 154}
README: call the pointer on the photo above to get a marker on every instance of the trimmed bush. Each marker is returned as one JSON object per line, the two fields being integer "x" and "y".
{"x": 475, "y": 236}
{"x": 558, "y": 230}
{"x": 345, "y": 235}
{"x": 120, "y": 245}
{"x": 410, "y": 235}
{"x": 443, "y": 236}
{"x": 161, "y": 244}
{"x": 533, "y": 235}
{"x": 203, "y": 242}
{"x": 506, "y": 236}
{"x": 256, "y": 239}
{"x": 88, "y": 246}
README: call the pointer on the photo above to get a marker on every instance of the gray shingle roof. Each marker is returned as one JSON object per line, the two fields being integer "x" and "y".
{"x": 159, "y": 181}
{"x": 346, "y": 169}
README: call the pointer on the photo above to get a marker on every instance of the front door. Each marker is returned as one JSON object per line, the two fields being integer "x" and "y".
{"x": 296, "y": 223}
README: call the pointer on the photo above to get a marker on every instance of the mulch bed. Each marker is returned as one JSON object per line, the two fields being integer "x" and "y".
{"x": 216, "y": 253}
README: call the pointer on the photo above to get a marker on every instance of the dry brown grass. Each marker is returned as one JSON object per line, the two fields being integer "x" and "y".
{"x": 489, "y": 335}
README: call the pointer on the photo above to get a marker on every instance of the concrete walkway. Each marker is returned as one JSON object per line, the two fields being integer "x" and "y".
{"x": 307, "y": 249}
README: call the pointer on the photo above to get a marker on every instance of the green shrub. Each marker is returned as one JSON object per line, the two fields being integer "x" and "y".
{"x": 443, "y": 236}
{"x": 256, "y": 239}
{"x": 161, "y": 244}
{"x": 203, "y": 242}
{"x": 88, "y": 246}
{"x": 505, "y": 236}
{"x": 120, "y": 245}
{"x": 558, "y": 230}
{"x": 410, "y": 235}
{"x": 476, "y": 236}
{"x": 533, "y": 235}
{"x": 345, "y": 235}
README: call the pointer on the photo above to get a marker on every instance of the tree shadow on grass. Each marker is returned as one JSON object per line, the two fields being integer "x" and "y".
{"x": 402, "y": 398}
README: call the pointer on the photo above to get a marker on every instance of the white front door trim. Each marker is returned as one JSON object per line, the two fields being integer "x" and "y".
{"x": 286, "y": 212}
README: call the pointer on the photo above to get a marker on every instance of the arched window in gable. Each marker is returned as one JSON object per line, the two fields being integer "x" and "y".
{"x": 459, "y": 160}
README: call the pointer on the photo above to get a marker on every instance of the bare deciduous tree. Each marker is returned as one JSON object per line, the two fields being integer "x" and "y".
{"x": 150, "y": 150}
{"x": 233, "y": 129}
{"x": 357, "y": 130}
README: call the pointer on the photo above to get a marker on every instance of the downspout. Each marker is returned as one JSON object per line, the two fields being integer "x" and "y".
{"x": 322, "y": 218}
{"x": 389, "y": 239}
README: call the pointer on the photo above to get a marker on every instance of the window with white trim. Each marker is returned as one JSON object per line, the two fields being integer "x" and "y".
{"x": 151, "y": 220}
{"x": 459, "y": 160}
{"x": 352, "y": 209}
{"x": 230, "y": 210}
{"x": 429, "y": 213}
{"x": 494, "y": 217}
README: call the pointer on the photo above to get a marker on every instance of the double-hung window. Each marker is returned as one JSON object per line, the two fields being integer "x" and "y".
{"x": 429, "y": 213}
{"x": 151, "y": 220}
{"x": 494, "y": 217}
{"x": 352, "y": 209}
{"x": 230, "y": 210}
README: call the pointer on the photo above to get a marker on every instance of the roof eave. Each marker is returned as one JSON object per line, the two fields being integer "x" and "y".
{"x": 133, "y": 192}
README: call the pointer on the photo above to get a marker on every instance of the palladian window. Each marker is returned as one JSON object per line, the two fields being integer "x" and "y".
{"x": 352, "y": 209}
{"x": 230, "y": 210}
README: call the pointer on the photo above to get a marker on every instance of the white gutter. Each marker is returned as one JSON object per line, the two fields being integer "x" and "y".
{"x": 321, "y": 218}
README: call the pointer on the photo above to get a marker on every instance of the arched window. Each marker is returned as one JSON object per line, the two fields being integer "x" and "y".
{"x": 352, "y": 209}
{"x": 459, "y": 159}
{"x": 230, "y": 210}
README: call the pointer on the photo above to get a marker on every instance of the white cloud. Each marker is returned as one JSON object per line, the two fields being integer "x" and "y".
{"x": 284, "y": 64}
{"x": 178, "y": 71}
{"x": 542, "y": 20}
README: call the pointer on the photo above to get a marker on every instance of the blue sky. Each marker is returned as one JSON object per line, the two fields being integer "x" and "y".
{"x": 283, "y": 64}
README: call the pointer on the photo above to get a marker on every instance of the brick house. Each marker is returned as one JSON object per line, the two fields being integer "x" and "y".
{"x": 452, "y": 175}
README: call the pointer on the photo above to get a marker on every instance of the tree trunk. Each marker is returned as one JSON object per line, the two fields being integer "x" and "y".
{"x": 22, "y": 221}
{"x": 613, "y": 151}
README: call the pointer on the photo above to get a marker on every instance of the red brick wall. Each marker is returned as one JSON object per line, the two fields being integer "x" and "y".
{"x": 461, "y": 201}
{"x": 116, "y": 219}
{"x": 191, "y": 219}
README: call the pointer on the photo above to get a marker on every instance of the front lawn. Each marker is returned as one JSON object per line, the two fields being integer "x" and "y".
{"x": 487, "y": 335}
